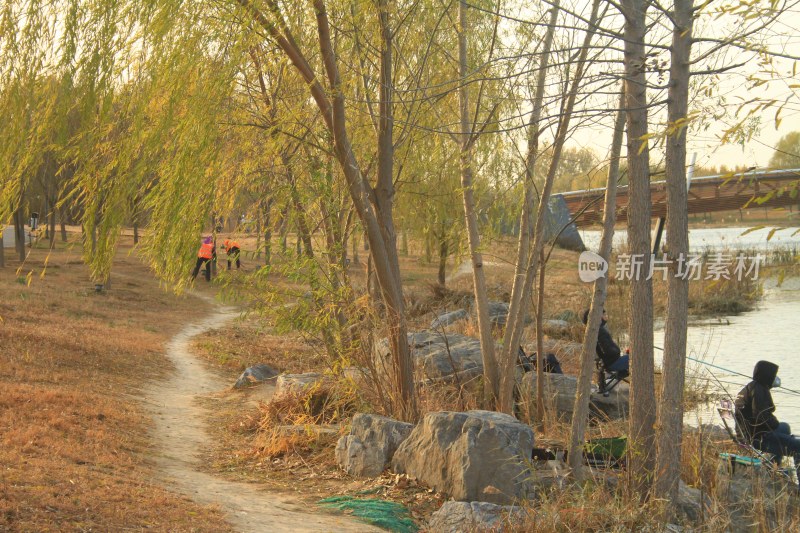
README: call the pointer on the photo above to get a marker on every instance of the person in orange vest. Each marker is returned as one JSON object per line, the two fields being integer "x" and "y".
{"x": 231, "y": 247}
{"x": 204, "y": 255}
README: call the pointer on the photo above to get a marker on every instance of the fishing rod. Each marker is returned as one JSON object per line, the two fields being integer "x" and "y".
{"x": 730, "y": 371}
{"x": 721, "y": 381}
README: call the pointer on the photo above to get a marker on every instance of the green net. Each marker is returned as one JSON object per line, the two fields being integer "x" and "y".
{"x": 387, "y": 515}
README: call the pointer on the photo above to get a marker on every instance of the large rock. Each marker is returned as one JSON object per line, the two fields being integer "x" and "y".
{"x": 437, "y": 355}
{"x": 692, "y": 503}
{"x": 373, "y": 440}
{"x": 755, "y": 495}
{"x": 559, "y": 225}
{"x": 615, "y": 405}
{"x": 564, "y": 349}
{"x": 498, "y": 313}
{"x": 448, "y": 318}
{"x": 255, "y": 374}
{"x": 555, "y": 325}
{"x": 549, "y": 475}
{"x": 559, "y": 392}
{"x": 296, "y": 383}
{"x": 472, "y": 456}
{"x": 457, "y": 517}
{"x": 561, "y": 389}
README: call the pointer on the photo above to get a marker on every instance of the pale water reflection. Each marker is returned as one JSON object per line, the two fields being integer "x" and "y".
{"x": 715, "y": 239}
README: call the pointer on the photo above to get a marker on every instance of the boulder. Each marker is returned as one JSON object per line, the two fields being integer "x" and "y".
{"x": 615, "y": 405}
{"x": 368, "y": 449}
{"x": 255, "y": 374}
{"x": 456, "y": 517}
{"x": 561, "y": 389}
{"x": 559, "y": 225}
{"x": 564, "y": 350}
{"x": 756, "y": 495}
{"x": 498, "y": 313}
{"x": 448, "y": 318}
{"x": 437, "y": 355}
{"x": 555, "y": 325}
{"x": 549, "y": 475}
{"x": 295, "y": 383}
{"x": 559, "y": 392}
{"x": 472, "y": 456}
{"x": 690, "y": 502}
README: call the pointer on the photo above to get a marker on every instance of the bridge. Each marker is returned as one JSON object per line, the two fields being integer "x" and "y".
{"x": 775, "y": 188}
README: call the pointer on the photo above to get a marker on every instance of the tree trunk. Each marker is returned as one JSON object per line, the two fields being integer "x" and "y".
{"x": 540, "y": 345}
{"x": 428, "y": 251}
{"x": 267, "y": 229}
{"x": 490, "y": 371}
{"x": 62, "y": 220}
{"x": 283, "y": 229}
{"x": 670, "y": 419}
{"x": 354, "y": 252}
{"x": 580, "y": 412}
{"x": 19, "y": 234}
{"x": 51, "y": 224}
{"x": 526, "y": 220}
{"x": 443, "y": 253}
{"x": 2, "y": 249}
{"x": 641, "y": 438}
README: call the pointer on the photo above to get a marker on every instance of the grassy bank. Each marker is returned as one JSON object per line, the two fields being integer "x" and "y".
{"x": 252, "y": 445}
{"x": 73, "y": 433}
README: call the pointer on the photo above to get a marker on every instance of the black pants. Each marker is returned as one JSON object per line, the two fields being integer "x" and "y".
{"x": 233, "y": 255}
{"x": 200, "y": 261}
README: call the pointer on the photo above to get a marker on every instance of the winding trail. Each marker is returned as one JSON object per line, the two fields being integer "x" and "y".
{"x": 180, "y": 435}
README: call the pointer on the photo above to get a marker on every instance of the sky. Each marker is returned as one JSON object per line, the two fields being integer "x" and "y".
{"x": 784, "y": 37}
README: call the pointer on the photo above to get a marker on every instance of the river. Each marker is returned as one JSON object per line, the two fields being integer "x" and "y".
{"x": 716, "y": 239}
{"x": 733, "y": 344}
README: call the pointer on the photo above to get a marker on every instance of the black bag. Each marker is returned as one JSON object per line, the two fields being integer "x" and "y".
{"x": 528, "y": 362}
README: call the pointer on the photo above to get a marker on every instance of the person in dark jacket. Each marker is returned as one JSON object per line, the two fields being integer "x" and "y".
{"x": 607, "y": 349}
{"x": 755, "y": 419}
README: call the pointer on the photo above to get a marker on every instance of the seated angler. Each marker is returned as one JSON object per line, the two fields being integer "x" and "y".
{"x": 607, "y": 349}
{"x": 755, "y": 422}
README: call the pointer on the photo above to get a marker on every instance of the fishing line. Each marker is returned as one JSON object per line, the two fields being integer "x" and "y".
{"x": 785, "y": 389}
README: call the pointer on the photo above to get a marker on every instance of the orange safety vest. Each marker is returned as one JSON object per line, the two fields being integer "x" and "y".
{"x": 206, "y": 251}
{"x": 228, "y": 244}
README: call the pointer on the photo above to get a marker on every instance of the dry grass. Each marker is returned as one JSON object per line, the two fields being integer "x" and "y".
{"x": 251, "y": 445}
{"x": 72, "y": 433}
{"x": 250, "y": 340}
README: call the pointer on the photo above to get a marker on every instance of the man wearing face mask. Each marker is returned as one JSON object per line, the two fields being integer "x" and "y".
{"x": 755, "y": 419}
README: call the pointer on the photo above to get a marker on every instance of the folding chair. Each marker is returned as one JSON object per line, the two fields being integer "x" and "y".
{"x": 726, "y": 410}
{"x": 726, "y": 413}
{"x": 607, "y": 379}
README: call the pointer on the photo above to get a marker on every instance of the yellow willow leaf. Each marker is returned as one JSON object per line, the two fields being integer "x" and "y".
{"x": 751, "y": 230}
{"x": 642, "y": 146}
{"x": 772, "y": 232}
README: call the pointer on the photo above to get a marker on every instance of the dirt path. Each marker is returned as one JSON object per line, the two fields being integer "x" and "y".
{"x": 180, "y": 435}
